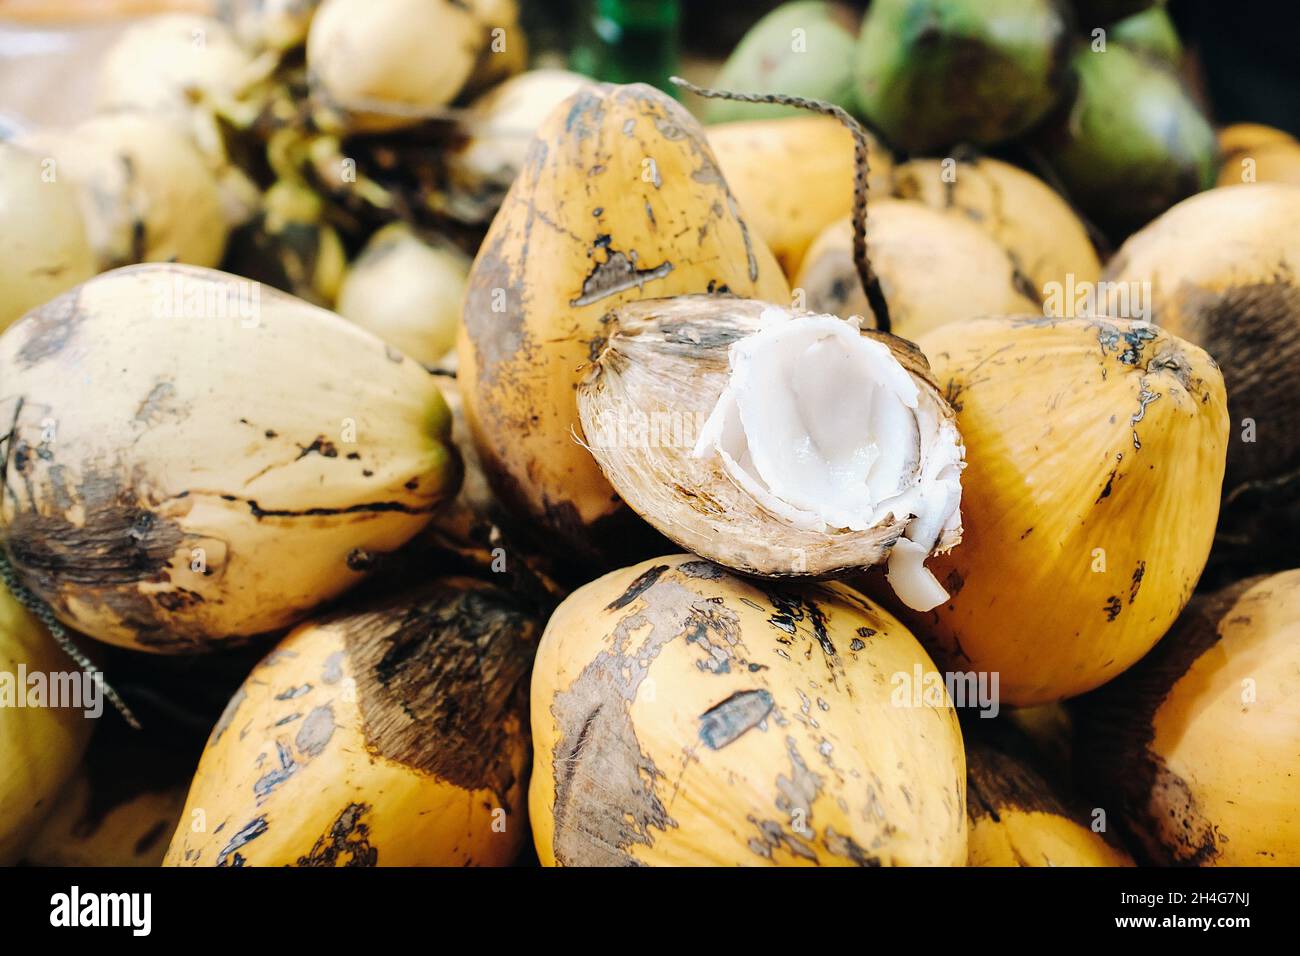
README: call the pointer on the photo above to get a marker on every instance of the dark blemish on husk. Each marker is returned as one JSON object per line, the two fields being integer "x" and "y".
{"x": 791, "y": 608}
{"x": 643, "y": 583}
{"x": 702, "y": 570}
{"x": 796, "y": 793}
{"x": 154, "y": 406}
{"x": 856, "y": 644}
{"x": 710, "y": 338}
{"x": 845, "y": 846}
{"x": 586, "y": 114}
{"x": 717, "y": 631}
{"x": 1113, "y": 607}
{"x": 332, "y": 673}
{"x": 346, "y": 843}
{"x": 616, "y": 274}
{"x": 366, "y": 507}
{"x": 1128, "y": 345}
{"x": 955, "y": 582}
{"x": 243, "y": 836}
{"x": 1250, "y": 329}
{"x": 49, "y": 328}
{"x": 118, "y": 542}
{"x": 723, "y": 723}
{"x": 289, "y": 719}
{"x": 1136, "y": 583}
{"x": 1001, "y": 776}
{"x": 266, "y": 784}
{"x": 442, "y": 680}
{"x": 498, "y": 336}
{"x": 227, "y": 716}
{"x": 316, "y": 731}
{"x": 319, "y": 446}
{"x": 294, "y": 692}
{"x": 1105, "y": 492}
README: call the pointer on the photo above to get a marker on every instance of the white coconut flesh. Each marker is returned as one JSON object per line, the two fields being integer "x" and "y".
{"x": 826, "y": 430}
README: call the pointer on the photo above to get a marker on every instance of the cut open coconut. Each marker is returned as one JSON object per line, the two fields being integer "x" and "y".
{"x": 777, "y": 443}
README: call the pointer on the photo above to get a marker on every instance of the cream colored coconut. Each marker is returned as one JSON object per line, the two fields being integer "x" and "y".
{"x": 383, "y": 66}
{"x": 147, "y": 194}
{"x": 46, "y": 250}
{"x": 407, "y": 291}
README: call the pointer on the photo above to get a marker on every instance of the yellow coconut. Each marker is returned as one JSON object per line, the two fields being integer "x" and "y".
{"x": 934, "y": 268}
{"x": 1254, "y": 153}
{"x": 393, "y": 736}
{"x": 1222, "y": 269}
{"x": 1095, "y": 451}
{"x": 43, "y": 233}
{"x": 1044, "y": 238}
{"x": 1264, "y": 164}
{"x": 793, "y": 176}
{"x": 1019, "y": 818}
{"x": 1197, "y": 744}
{"x": 620, "y": 199}
{"x": 193, "y": 457}
{"x": 1244, "y": 136}
{"x": 685, "y": 716}
{"x": 39, "y": 744}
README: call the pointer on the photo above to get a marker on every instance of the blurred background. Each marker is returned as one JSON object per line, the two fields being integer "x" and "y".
{"x": 1240, "y": 56}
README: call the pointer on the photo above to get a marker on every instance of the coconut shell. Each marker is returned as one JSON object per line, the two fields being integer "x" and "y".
{"x": 191, "y": 457}
{"x": 663, "y": 366}
{"x": 1095, "y": 452}
{"x": 1196, "y": 745}
{"x": 685, "y": 716}
{"x": 396, "y": 735}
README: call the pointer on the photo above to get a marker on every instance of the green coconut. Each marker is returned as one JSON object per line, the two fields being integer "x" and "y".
{"x": 1131, "y": 142}
{"x": 932, "y": 73}
{"x": 1150, "y": 32}
{"x": 801, "y": 49}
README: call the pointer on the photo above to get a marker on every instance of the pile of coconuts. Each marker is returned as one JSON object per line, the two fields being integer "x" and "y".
{"x": 797, "y": 491}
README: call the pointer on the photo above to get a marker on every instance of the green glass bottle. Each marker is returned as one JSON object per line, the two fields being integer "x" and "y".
{"x": 629, "y": 41}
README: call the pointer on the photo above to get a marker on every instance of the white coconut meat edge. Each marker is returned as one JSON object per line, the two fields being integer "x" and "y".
{"x": 828, "y": 431}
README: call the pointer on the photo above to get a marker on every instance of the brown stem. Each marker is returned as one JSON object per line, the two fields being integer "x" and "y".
{"x": 870, "y": 282}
